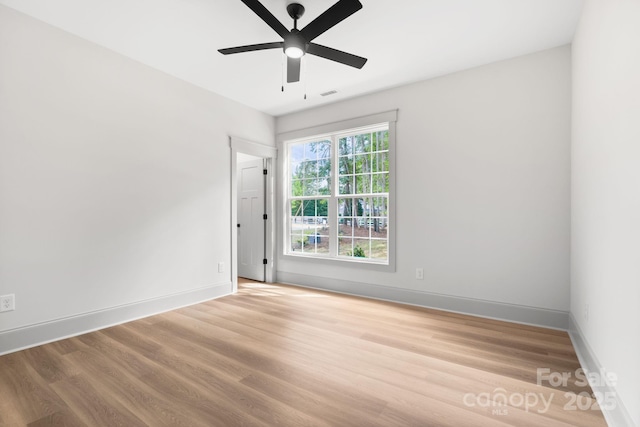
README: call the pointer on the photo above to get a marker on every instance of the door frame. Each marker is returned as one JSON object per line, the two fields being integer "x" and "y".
{"x": 239, "y": 145}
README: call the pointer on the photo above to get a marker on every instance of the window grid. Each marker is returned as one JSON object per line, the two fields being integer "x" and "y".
{"x": 349, "y": 219}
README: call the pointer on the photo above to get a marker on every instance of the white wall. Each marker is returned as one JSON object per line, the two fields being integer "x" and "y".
{"x": 482, "y": 183}
{"x": 606, "y": 190}
{"x": 114, "y": 177}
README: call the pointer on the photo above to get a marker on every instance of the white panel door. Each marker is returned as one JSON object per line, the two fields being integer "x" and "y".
{"x": 251, "y": 208}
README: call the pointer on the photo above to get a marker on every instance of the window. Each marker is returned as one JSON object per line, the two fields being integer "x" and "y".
{"x": 338, "y": 196}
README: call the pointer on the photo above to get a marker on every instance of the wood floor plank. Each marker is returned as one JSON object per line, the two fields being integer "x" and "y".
{"x": 24, "y": 392}
{"x": 94, "y": 406}
{"x": 283, "y": 355}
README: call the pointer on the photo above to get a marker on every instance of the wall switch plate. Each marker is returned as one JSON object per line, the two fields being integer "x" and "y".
{"x": 221, "y": 267}
{"x": 419, "y": 273}
{"x": 7, "y": 302}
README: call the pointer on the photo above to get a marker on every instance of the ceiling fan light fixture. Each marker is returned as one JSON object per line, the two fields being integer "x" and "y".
{"x": 294, "y": 52}
{"x": 294, "y": 45}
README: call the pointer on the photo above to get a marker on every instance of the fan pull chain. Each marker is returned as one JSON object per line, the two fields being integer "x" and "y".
{"x": 282, "y": 71}
{"x": 304, "y": 73}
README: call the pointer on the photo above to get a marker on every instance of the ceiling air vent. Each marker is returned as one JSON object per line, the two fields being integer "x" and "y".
{"x": 331, "y": 92}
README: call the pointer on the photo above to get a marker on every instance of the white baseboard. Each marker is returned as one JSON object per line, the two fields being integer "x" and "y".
{"x": 42, "y": 333}
{"x": 555, "y": 319}
{"x": 618, "y": 416}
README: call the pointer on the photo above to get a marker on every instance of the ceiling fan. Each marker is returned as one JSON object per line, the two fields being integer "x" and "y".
{"x": 296, "y": 43}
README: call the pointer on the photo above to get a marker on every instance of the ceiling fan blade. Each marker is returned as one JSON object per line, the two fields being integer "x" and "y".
{"x": 336, "y": 55}
{"x": 336, "y": 13}
{"x": 267, "y": 17}
{"x": 250, "y": 48}
{"x": 293, "y": 70}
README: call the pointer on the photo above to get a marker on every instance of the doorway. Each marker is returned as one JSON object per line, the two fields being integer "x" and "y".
{"x": 252, "y": 211}
{"x": 252, "y": 215}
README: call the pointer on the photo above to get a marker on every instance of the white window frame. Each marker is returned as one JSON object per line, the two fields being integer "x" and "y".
{"x": 335, "y": 131}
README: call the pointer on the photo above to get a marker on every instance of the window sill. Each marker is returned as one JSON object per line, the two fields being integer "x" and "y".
{"x": 343, "y": 262}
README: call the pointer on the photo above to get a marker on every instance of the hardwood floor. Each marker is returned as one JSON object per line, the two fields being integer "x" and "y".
{"x": 282, "y": 355}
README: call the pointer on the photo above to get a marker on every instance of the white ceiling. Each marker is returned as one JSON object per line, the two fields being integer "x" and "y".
{"x": 405, "y": 41}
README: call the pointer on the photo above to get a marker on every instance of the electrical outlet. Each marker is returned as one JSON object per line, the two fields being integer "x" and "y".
{"x": 419, "y": 273}
{"x": 8, "y": 302}
{"x": 221, "y": 267}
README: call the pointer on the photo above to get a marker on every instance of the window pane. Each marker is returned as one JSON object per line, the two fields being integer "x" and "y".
{"x": 359, "y": 206}
{"x": 309, "y": 187}
{"x": 380, "y": 183}
{"x": 308, "y": 169}
{"x": 296, "y": 242}
{"x": 345, "y": 146}
{"x": 378, "y": 228}
{"x": 345, "y": 246}
{"x": 321, "y": 238}
{"x": 345, "y": 207}
{"x": 380, "y": 162}
{"x": 381, "y": 139}
{"x": 362, "y": 143}
{"x": 346, "y": 228}
{"x": 361, "y": 248}
{"x": 380, "y": 206}
{"x": 345, "y": 164}
{"x": 309, "y": 154}
{"x": 296, "y": 206}
{"x": 324, "y": 168}
{"x": 323, "y": 149}
{"x": 296, "y": 153}
{"x": 363, "y": 163}
{"x": 296, "y": 188}
{"x": 323, "y": 187}
{"x": 346, "y": 184}
{"x": 379, "y": 249}
{"x": 363, "y": 184}
{"x": 323, "y": 182}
